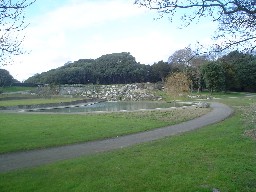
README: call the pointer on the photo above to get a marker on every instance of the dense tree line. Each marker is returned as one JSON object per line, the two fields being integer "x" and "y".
{"x": 235, "y": 71}
{"x": 239, "y": 71}
{"x": 6, "y": 79}
{"x": 116, "y": 68}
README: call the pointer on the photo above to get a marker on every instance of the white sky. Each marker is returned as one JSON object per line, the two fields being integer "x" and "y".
{"x": 68, "y": 30}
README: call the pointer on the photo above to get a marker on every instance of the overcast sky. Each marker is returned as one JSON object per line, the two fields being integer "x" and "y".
{"x": 68, "y": 30}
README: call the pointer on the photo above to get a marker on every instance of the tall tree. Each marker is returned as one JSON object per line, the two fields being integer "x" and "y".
{"x": 11, "y": 23}
{"x": 160, "y": 70}
{"x": 181, "y": 59}
{"x": 236, "y": 18}
{"x": 194, "y": 71}
{"x": 213, "y": 75}
{"x": 187, "y": 61}
{"x": 5, "y": 78}
{"x": 247, "y": 76}
{"x": 240, "y": 71}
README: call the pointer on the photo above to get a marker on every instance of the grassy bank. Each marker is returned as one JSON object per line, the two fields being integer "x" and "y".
{"x": 35, "y": 101}
{"x": 29, "y": 131}
{"x": 15, "y": 89}
{"x": 219, "y": 157}
{"x": 216, "y": 157}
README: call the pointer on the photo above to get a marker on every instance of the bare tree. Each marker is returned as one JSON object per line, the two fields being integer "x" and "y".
{"x": 11, "y": 24}
{"x": 236, "y": 18}
{"x": 180, "y": 59}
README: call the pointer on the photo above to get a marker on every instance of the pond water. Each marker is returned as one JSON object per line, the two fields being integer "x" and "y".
{"x": 111, "y": 107}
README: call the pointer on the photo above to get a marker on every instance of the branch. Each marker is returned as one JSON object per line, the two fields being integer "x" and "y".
{"x": 18, "y": 5}
{"x": 172, "y": 5}
{"x": 234, "y": 43}
{"x": 11, "y": 22}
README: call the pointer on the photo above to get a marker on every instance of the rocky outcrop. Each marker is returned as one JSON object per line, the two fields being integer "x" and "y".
{"x": 127, "y": 92}
{"x": 203, "y": 105}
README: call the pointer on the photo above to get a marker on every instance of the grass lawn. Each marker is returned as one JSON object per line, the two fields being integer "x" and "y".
{"x": 29, "y": 131}
{"x": 217, "y": 157}
{"x": 34, "y": 101}
{"x": 15, "y": 89}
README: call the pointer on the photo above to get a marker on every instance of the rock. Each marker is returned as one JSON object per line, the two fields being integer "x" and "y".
{"x": 127, "y": 92}
{"x": 203, "y": 105}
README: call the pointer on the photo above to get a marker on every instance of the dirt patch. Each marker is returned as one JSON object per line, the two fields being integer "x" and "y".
{"x": 251, "y": 133}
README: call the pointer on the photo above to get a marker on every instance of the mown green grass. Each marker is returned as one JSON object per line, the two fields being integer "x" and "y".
{"x": 29, "y": 131}
{"x": 15, "y": 89}
{"x": 217, "y": 157}
{"x": 236, "y": 99}
{"x": 35, "y": 101}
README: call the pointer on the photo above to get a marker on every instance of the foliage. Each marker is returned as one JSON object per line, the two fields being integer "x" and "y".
{"x": 12, "y": 23}
{"x": 160, "y": 71}
{"x": 213, "y": 75}
{"x": 240, "y": 71}
{"x": 115, "y": 68}
{"x": 235, "y": 71}
{"x": 118, "y": 68}
{"x": 230, "y": 78}
{"x": 180, "y": 59}
{"x": 195, "y": 76}
{"x": 177, "y": 84}
{"x": 236, "y": 19}
{"x": 185, "y": 60}
{"x": 247, "y": 76}
{"x": 5, "y": 78}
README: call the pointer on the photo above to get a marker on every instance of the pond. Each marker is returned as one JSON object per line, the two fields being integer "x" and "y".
{"x": 111, "y": 107}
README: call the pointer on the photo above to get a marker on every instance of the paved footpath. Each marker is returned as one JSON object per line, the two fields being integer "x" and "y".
{"x": 33, "y": 158}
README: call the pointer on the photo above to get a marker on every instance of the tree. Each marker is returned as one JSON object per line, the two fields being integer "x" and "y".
{"x": 177, "y": 84}
{"x": 194, "y": 71}
{"x": 11, "y": 24}
{"x": 187, "y": 61}
{"x": 213, "y": 75}
{"x": 240, "y": 71}
{"x": 5, "y": 78}
{"x": 115, "y": 68}
{"x": 160, "y": 70}
{"x": 247, "y": 76}
{"x": 180, "y": 59}
{"x": 231, "y": 80}
{"x": 236, "y": 18}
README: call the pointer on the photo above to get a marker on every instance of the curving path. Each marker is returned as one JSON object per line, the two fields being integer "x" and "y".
{"x": 27, "y": 159}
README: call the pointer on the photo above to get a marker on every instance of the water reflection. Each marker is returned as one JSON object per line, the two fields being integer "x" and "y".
{"x": 112, "y": 106}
